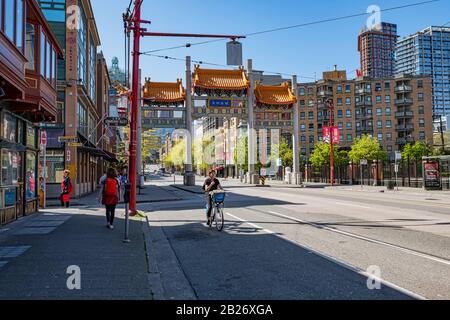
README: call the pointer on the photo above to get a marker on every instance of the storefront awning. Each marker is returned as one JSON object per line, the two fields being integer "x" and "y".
{"x": 110, "y": 157}
{"x": 12, "y": 146}
{"x": 92, "y": 151}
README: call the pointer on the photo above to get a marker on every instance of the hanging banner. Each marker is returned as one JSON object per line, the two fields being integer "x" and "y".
{"x": 328, "y": 131}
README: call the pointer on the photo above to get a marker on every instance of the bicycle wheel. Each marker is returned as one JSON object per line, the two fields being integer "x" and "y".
{"x": 219, "y": 219}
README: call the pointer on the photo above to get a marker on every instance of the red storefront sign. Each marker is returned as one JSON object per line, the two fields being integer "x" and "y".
{"x": 327, "y": 131}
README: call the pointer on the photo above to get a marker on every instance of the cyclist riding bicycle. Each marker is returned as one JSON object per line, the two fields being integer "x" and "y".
{"x": 211, "y": 184}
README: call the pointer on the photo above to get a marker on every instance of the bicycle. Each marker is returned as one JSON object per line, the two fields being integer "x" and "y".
{"x": 217, "y": 215}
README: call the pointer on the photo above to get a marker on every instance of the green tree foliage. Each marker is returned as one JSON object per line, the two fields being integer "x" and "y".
{"x": 367, "y": 148}
{"x": 151, "y": 143}
{"x": 241, "y": 153}
{"x": 416, "y": 152}
{"x": 321, "y": 155}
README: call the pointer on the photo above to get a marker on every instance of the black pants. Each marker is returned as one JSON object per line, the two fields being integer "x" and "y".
{"x": 210, "y": 206}
{"x": 110, "y": 212}
{"x": 64, "y": 204}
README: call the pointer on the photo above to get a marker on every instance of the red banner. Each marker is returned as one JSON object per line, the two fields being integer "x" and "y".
{"x": 328, "y": 131}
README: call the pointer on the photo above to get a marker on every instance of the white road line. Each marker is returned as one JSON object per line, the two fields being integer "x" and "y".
{"x": 249, "y": 223}
{"x": 352, "y": 205}
{"x": 333, "y": 260}
{"x": 409, "y": 251}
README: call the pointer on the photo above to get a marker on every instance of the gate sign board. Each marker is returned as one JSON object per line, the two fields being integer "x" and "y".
{"x": 327, "y": 131}
{"x": 219, "y": 103}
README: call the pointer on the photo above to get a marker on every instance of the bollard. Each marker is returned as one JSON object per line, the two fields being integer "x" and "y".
{"x": 126, "y": 199}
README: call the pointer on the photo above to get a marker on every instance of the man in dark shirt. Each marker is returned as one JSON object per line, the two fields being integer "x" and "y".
{"x": 211, "y": 184}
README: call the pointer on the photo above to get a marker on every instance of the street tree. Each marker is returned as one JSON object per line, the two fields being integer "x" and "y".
{"x": 366, "y": 148}
{"x": 321, "y": 156}
{"x": 415, "y": 153}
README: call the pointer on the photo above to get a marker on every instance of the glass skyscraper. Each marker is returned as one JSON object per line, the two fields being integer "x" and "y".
{"x": 428, "y": 53}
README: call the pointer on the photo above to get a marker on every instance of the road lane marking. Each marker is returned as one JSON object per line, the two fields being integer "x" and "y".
{"x": 251, "y": 224}
{"x": 333, "y": 260}
{"x": 352, "y": 235}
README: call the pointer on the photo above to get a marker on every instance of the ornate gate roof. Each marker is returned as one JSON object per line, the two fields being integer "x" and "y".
{"x": 274, "y": 95}
{"x": 216, "y": 79}
{"x": 164, "y": 92}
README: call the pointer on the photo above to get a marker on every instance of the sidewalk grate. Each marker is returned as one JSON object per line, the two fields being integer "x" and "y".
{"x": 12, "y": 252}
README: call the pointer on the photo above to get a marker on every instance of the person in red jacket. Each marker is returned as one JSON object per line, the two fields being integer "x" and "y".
{"x": 110, "y": 195}
{"x": 66, "y": 189}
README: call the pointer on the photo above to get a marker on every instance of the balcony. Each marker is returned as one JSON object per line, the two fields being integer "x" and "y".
{"x": 363, "y": 129}
{"x": 403, "y": 102}
{"x": 404, "y": 127}
{"x": 363, "y": 91}
{"x": 364, "y": 103}
{"x": 324, "y": 93}
{"x": 404, "y": 115}
{"x": 364, "y": 116}
{"x": 403, "y": 141}
{"x": 403, "y": 89}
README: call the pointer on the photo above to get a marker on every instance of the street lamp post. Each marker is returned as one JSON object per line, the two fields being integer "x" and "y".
{"x": 331, "y": 111}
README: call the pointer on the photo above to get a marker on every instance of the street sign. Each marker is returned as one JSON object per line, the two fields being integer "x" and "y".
{"x": 116, "y": 121}
{"x": 75, "y": 144}
{"x": 398, "y": 156}
{"x": 67, "y": 139}
{"x": 396, "y": 168}
{"x": 364, "y": 162}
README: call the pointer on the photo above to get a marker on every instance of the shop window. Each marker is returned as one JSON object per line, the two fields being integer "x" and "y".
{"x": 10, "y": 168}
{"x": 31, "y": 136}
{"x": 55, "y": 165}
{"x": 30, "y": 178}
{"x": 9, "y": 127}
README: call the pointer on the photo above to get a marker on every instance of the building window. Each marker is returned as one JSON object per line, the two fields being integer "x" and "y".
{"x": 420, "y": 96}
{"x": 378, "y": 87}
{"x": 302, "y": 115}
{"x": 310, "y": 103}
{"x": 419, "y": 84}
{"x": 310, "y": 115}
{"x": 339, "y": 101}
{"x": 82, "y": 47}
{"x": 9, "y": 127}
{"x": 349, "y": 138}
{"x": 302, "y": 128}
{"x": 388, "y": 123}
{"x": 379, "y": 112}
{"x": 30, "y": 46}
{"x": 348, "y": 113}
{"x": 339, "y": 89}
{"x": 380, "y": 137}
{"x": 387, "y": 99}
{"x": 303, "y": 138}
{"x": 302, "y": 103}
{"x": 389, "y": 148}
{"x": 340, "y": 113}
{"x": 389, "y": 136}
{"x": 92, "y": 70}
{"x": 302, "y": 91}
{"x": 54, "y": 10}
{"x": 43, "y": 41}
{"x": 379, "y": 99}
{"x": 311, "y": 139}
{"x": 348, "y": 88}
{"x": 422, "y": 135}
{"x": 341, "y": 125}
{"x": 311, "y": 127}
{"x": 348, "y": 101}
{"x": 48, "y": 64}
{"x": 388, "y": 112}
{"x": 31, "y": 185}
{"x": 421, "y": 110}
{"x": 387, "y": 86}
{"x": 349, "y": 126}
{"x": 13, "y": 22}
{"x": 422, "y": 123}
{"x": 310, "y": 91}
{"x": 379, "y": 124}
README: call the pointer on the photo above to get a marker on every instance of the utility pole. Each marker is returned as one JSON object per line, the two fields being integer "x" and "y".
{"x": 134, "y": 24}
{"x": 296, "y": 135}
{"x": 331, "y": 111}
{"x": 250, "y": 124}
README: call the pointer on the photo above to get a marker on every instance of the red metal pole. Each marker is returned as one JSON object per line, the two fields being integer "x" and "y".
{"x": 134, "y": 104}
{"x": 330, "y": 103}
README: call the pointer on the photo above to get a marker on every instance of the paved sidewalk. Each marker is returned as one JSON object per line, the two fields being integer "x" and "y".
{"x": 36, "y": 252}
{"x": 148, "y": 194}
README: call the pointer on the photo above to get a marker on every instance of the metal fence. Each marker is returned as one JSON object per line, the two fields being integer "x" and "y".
{"x": 409, "y": 175}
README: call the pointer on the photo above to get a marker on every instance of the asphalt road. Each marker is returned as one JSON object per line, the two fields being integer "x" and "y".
{"x": 282, "y": 243}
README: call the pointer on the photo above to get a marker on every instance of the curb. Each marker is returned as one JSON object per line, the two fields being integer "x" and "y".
{"x": 166, "y": 276}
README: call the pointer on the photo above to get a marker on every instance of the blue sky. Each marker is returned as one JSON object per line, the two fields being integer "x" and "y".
{"x": 306, "y": 51}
